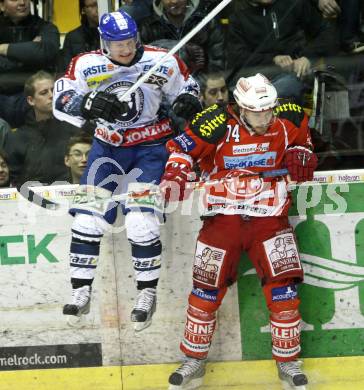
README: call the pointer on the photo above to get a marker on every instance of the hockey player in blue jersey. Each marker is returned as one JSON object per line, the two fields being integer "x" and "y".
{"x": 128, "y": 135}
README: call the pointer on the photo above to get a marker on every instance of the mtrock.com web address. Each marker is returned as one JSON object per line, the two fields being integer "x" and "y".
{"x": 33, "y": 360}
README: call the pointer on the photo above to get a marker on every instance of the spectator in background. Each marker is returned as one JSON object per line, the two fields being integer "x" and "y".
{"x": 27, "y": 43}
{"x": 172, "y": 20}
{"x": 4, "y": 130}
{"x": 214, "y": 89}
{"x": 138, "y": 9}
{"x": 4, "y": 170}
{"x": 14, "y": 108}
{"x": 85, "y": 37}
{"x": 36, "y": 149}
{"x": 281, "y": 39}
{"x": 76, "y": 156}
{"x": 347, "y": 13}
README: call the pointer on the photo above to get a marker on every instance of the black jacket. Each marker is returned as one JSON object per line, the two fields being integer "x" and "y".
{"x": 80, "y": 40}
{"x": 210, "y": 38}
{"x": 25, "y": 56}
{"x": 257, "y": 34}
{"x": 36, "y": 150}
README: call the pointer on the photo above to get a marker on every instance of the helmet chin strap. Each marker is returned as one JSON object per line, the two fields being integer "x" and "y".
{"x": 250, "y": 127}
{"x": 247, "y": 125}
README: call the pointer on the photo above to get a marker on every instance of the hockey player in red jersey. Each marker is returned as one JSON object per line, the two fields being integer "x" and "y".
{"x": 243, "y": 214}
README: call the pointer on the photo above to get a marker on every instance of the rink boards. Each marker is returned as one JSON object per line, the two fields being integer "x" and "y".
{"x": 37, "y": 338}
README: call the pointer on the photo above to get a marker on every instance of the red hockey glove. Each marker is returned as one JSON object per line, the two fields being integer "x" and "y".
{"x": 174, "y": 179}
{"x": 301, "y": 163}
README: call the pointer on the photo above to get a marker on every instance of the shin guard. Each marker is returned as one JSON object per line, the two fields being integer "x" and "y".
{"x": 286, "y": 331}
{"x": 285, "y": 319}
{"x": 199, "y": 329}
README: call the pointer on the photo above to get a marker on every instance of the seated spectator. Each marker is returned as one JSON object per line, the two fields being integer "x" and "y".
{"x": 214, "y": 90}
{"x": 85, "y": 37}
{"x": 281, "y": 39}
{"x": 14, "y": 108}
{"x": 138, "y": 9}
{"x": 27, "y": 44}
{"x": 4, "y": 130}
{"x": 4, "y": 170}
{"x": 36, "y": 149}
{"x": 77, "y": 152}
{"x": 347, "y": 13}
{"x": 171, "y": 21}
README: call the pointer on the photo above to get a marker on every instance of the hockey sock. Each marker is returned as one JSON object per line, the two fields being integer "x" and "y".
{"x": 285, "y": 332}
{"x": 84, "y": 256}
{"x": 199, "y": 329}
{"x": 147, "y": 264}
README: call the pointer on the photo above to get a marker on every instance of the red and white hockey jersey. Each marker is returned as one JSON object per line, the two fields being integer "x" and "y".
{"x": 234, "y": 151}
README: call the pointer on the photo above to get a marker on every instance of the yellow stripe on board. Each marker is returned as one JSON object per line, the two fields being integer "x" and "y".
{"x": 96, "y": 378}
{"x": 323, "y": 373}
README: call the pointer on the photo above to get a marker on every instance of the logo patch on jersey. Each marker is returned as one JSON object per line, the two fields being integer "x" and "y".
{"x": 208, "y": 263}
{"x": 284, "y": 293}
{"x": 185, "y": 142}
{"x": 93, "y": 82}
{"x": 253, "y": 160}
{"x": 146, "y": 264}
{"x": 282, "y": 254}
{"x": 135, "y": 102}
{"x": 156, "y": 80}
{"x": 243, "y": 188}
{"x": 210, "y": 124}
{"x": 162, "y": 69}
{"x": 250, "y": 148}
{"x": 103, "y": 68}
{"x": 206, "y": 295}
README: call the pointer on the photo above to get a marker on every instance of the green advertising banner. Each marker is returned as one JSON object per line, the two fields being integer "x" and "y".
{"x": 329, "y": 224}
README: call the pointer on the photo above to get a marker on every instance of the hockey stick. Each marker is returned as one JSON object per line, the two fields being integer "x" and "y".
{"x": 26, "y": 192}
{"x": 174, "y": 49}
{"x": 93, "y": 201}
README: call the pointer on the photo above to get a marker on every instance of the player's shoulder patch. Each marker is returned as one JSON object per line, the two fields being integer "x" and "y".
{"x": 210, "y": 124}
{"x": 291, "y": 111}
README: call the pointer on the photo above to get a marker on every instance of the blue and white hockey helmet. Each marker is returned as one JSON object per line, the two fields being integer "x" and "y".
{"x": 116, "y": 26}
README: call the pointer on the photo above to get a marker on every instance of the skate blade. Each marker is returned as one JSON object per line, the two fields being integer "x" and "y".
{"x": 139, "y": 326}
{"x": 287, "y": 386}
{"x": 76, "y": 321}
{"x": 193, "y": 384}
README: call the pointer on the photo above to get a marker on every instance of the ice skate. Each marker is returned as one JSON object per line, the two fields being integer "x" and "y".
{"x": 291, "y": 373}
{"x": 144, "y": 308}
{"x": 189, "y": 375}
{"x": 81, "y": 301}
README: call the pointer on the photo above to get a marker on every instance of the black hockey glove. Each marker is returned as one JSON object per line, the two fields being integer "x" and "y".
{"x": 89, "y": 127}
{"x": 103, "y": 105}
{"x": 186, "y": 106}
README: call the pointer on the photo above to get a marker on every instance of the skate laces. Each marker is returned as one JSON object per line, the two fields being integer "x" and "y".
{"x": 145, "y": 299}
{"x": 190, "y": 367}
{"x": 81, "y": 296}
{"x": 291, "y": 368}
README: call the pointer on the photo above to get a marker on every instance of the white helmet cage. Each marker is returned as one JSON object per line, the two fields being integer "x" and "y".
{"x": 255, "y": 93}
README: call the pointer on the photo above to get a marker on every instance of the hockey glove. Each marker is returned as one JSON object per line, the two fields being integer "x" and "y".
{"x": 174, "y": 179}
{"x": 89, "y": 127}
{"x": 186, "y": 106}
{"x": 301, "y": 163}
{"x": 103, "y": 105}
